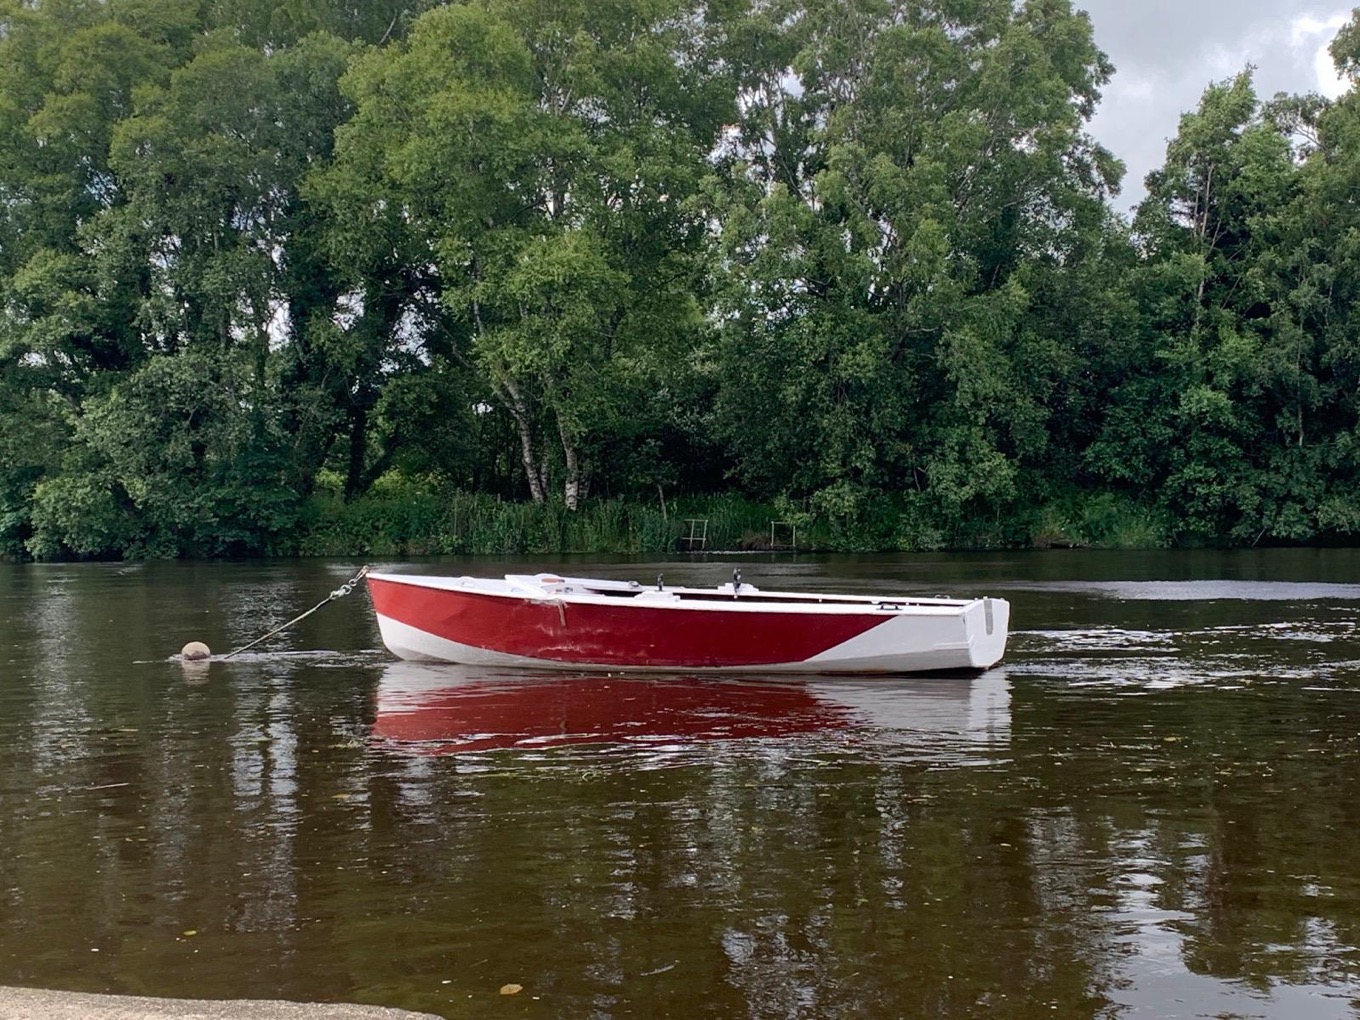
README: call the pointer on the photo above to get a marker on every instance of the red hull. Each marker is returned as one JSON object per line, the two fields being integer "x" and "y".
{"x": 608, "y": 635}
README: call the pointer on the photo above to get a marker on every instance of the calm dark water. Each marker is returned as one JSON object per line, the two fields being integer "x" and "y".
{"x": 1151, "y": 810}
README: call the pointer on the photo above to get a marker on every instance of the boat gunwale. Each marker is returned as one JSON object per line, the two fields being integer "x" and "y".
{"x": 685, "y": 598}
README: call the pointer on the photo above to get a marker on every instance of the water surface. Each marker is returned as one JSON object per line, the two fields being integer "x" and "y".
{"x": 1149, "y": 810}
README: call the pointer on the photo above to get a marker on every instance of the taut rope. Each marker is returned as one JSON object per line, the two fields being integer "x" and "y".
{"x": 339, "y": 593}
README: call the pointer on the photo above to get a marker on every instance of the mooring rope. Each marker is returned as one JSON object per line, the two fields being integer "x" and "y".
{"x": 339, "y": 593}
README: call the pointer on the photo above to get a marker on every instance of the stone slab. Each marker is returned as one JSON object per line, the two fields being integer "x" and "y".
{"x": 38, "y": 1004}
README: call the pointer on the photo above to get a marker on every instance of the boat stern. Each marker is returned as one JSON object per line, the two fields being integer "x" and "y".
{"x": 937, "y": 636}
{"x": 986, "y": 624}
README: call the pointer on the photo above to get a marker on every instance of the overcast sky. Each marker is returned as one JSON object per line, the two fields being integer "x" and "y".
{"x": 1166, "y": 51}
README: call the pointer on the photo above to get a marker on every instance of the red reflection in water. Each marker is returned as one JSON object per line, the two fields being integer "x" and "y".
{"x": 446, "y": 710}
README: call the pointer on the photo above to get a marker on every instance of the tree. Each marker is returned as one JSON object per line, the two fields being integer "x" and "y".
{"x": 1234, "y": 292}
{"x": 904, "y": 178}
{"x": 153, "y": 171}
{"x": 165, "y": 464}
{"x": 533, "y": 168}
{"x": 214, "y": 164}
{"x": 68, "y": 73}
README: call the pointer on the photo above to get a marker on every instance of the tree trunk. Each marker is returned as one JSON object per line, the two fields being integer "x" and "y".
{"x": 533, "y": 467}
{"x": 510, "y": 395}
{"x": 573, "y": 488}
{"x": 358, "y": 448}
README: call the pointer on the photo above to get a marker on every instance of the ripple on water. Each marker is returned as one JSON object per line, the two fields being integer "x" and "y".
{"x": 1195, "y": 591}
{"x": 1227, "y": 656}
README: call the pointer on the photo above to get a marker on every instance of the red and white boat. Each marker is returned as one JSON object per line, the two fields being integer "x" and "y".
{"x": 551, "y": 621}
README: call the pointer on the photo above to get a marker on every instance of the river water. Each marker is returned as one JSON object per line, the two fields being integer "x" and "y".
{"x": 1149, "y": 810}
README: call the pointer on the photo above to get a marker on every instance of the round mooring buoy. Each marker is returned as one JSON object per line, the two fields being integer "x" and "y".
{"x": 195, "y": 651}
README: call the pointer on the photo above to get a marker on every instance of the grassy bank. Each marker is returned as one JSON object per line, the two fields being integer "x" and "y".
{"x": 426, "y": 524}
{"x": 402, "y": 518}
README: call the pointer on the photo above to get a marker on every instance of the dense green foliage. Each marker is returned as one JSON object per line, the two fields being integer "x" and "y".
{"x": 513, "y": 276}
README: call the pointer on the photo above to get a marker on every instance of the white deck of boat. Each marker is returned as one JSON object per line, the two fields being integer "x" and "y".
{"x": 558, "y": 587}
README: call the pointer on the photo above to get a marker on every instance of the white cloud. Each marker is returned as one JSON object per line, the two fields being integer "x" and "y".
{"x": 1168, "y": 51}
{"x": 1305, "y": 29}
{"x": 1305, "y": 33}
{"x": 1329, "y": 83}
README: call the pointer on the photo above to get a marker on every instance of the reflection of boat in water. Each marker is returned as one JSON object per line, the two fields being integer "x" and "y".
{"x": 444, "y": 708}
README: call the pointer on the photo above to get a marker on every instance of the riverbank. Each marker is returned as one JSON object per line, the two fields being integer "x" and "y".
{"x": 400, "y": 518}
{"x": 403, "y": 516}
{"x": 42, "y": 1004}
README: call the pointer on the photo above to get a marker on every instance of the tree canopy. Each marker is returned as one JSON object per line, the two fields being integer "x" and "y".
{"x": 856, "y": 259}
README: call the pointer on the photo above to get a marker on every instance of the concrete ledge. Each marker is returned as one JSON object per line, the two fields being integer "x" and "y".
{"x": 37, "y": 1004}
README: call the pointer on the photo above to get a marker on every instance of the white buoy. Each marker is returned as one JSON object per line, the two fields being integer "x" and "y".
{"x": 195, "y": 651}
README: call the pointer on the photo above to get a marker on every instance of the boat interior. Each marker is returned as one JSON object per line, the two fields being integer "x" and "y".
{"x": 552, "y": 584}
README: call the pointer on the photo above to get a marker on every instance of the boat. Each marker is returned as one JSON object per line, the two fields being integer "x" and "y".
{"x": 545, "y": 621}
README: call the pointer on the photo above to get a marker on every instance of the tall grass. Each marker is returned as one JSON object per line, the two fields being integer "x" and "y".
{"x": 405, "y": 517}
{"x": 1101, "y": 520}
{"x": 436, "y": 523}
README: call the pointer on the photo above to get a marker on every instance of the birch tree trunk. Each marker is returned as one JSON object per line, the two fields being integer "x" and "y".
{"x": 573, "y": 488}
{"x": 534, "y": 470}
